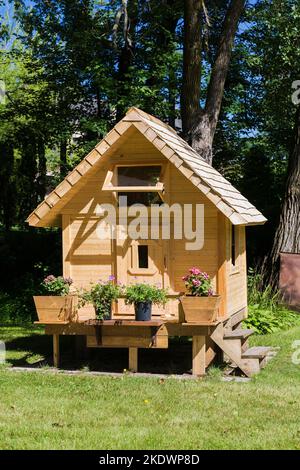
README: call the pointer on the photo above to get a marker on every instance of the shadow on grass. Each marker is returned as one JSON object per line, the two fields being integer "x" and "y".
{"x": 36, "y": 351}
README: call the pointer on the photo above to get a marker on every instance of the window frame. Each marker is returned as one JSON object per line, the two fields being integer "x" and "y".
{"x": 112, "y": 175}
{"x": 134, "y": 268}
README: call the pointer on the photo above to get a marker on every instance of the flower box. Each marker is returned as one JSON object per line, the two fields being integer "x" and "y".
{"x": 55, "y": 309}
{"x": 200, "y": 309}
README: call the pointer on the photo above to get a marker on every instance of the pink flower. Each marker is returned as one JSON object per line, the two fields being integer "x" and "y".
{"x": 195, "y": 271}
{"x": 196, "y": 282}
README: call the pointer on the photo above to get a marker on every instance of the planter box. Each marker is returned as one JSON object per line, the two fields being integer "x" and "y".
{"x": 200, "y": 309}
{"x": 55, "y": 309}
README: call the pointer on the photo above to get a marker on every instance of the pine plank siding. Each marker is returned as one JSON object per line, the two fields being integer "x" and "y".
{"x": 141, "y": 139}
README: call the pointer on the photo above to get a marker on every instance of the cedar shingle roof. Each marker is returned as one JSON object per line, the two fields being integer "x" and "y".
{"x": 206, "y": 178}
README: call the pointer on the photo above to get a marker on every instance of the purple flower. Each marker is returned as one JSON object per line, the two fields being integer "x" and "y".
{"x": 68, "y": 280}
{"x": 111, "y": 278}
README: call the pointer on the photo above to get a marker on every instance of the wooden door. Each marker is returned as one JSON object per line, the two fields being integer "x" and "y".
{"x": 139, "y": 261}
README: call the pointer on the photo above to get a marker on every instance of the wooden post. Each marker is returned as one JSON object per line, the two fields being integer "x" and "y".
{"x": 199, "y": 355}
{"x": 133, "y": 359}
{"x": 56, "y": 350}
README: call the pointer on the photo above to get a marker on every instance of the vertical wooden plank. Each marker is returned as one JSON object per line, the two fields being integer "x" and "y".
{"x": 166, "y": 243}
{"x": 222, "y": 275}
{"x": 56, "y": 350}
{"x": 199, "y": 355}
{"x": 66, "y": 238}
{"x": 133, "y": 359}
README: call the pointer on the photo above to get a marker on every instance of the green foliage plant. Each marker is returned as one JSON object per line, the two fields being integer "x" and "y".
{"x": 101, "y": 295}
{"x": 53, "y": 285}
{"x": 142, "y": 292}
{"x": 266, "y": 313}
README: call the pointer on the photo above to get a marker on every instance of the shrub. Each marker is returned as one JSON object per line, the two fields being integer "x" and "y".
{"x": 265, "y": 321}
{"x": 266, "y": 313}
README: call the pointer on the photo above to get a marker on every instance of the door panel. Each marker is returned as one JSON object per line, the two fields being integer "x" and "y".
{"x": 139, "y": 261}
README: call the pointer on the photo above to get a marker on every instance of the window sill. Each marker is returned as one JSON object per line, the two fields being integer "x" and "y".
{"x": 142, "y": 272}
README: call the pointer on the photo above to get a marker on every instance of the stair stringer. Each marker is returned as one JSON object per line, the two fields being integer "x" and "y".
{"x": 248, "y": 366}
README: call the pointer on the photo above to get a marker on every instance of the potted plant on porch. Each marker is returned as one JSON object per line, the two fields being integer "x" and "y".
{"x": 142, "y": 296}
{"x": 56, "y": 304}
{"x": 101, "y": 295}
{"x": 200, "y": 305}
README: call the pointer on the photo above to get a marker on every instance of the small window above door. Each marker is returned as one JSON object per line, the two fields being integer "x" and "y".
{"x": 132, "y": 178}
{"x": 138, "y": 175}
{"x": 141, "y": 184}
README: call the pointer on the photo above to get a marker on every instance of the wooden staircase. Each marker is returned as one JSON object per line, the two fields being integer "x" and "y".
{"x": 234, "y": 343}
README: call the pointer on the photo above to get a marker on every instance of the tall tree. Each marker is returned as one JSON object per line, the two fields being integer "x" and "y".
{"x": 287, "y": 236}
{"x": 199, "y": 122}
{"x": 274, "y": 42}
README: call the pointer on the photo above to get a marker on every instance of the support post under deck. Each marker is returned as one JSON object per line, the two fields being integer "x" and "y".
{"x": 56, "y": 350}
{"x": 133, "y": 359}
{"x": 199, "y": 356}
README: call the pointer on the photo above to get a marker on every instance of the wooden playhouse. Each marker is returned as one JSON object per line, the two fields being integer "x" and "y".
{"x": 145, "y": 160}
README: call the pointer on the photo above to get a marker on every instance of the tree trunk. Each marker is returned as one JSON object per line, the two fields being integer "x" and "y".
{"x": 123, "y": 81}
{"x": 192, "y": 48}
{"x": 199, "y": 125}
{"x": 125, "y": 58}
{"x": 172, "y": 93}
{"x": 287, "y": 236}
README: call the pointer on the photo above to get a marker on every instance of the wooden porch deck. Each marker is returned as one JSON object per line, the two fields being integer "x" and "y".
{"x": 136, "y": 335}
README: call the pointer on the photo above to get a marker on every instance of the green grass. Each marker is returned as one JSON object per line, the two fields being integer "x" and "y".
{"x": 45, "y": 411}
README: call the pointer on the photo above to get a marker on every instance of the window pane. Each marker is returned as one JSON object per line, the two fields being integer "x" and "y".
{"x": 143, "y": 256}
{"x": 140, "y": 198}
{"x": 138, "y": 176}
{"x": 233, "y": 247}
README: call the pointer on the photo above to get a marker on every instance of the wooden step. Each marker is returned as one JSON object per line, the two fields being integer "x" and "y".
{"x": 256, "y": 352}
{"x": 238, "y": 334}
{"x": 250, "y": 366}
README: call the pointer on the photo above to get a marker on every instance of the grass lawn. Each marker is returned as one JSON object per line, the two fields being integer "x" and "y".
{"x": 47, "y": 411}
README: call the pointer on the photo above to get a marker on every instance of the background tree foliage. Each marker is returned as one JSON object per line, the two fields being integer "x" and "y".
{"x": 73, "y": 67}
